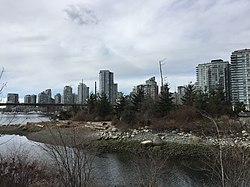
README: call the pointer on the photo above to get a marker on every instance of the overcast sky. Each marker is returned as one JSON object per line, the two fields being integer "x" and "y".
{"x": 53, "y": 43}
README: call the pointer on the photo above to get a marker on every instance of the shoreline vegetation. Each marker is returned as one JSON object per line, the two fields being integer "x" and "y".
{"x": 107, "y": 138}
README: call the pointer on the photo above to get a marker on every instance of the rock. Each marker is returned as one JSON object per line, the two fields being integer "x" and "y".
{"x": 157, "y": 140}
{"x": 195, "y": 139}
{"x": 114, "y": 129}
{"x": 147, "y": 142}
{"x": 114, "y": 137}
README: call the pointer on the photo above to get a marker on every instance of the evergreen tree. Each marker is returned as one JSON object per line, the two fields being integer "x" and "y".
{"x": 217, "y": 103}
{"x": 92, "y": 104}
{"x": 165, "y": 103}
{"x": 120, "y": 106}
{"x": 104, "y": 107}
{"x": 137, "y": 99}
{"x": 189, "y": 96}
{"x": 201, "y": 101}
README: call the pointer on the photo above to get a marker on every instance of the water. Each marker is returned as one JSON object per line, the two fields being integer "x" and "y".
{"x": 110, "y": 169}
{"x": 12, "y": 118}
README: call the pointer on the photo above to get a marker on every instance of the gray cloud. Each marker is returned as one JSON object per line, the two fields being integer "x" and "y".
{"x": 81, "y": 14}
{"x": 41, "y": 49}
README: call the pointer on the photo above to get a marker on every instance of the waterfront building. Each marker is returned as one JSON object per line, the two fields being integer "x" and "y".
{"x": 68, "y": 97}
{"x": 240, "y": 76}
{"x": 83, "y": 93}
{"x": 107, "y": 85}
{"x": 58, "y": 98}
{"x": 43, "y": 98}
{"x": 27, "y": 99}
{"x": 12, "y": 98}
{"x": 33, "y": 99}
{"x": 150, "y": 88}
{"x": 213, "y": 75}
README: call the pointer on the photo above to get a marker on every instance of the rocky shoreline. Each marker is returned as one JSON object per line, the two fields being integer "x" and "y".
{"x": 104, "y": 134}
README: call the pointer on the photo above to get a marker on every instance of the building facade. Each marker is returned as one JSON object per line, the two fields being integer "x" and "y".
{"x": 12, "y": 98}
{"x": 83, "y": 93}
{"x": 213, "y": 75}
{"x": 68, "y": 97}
{"x": 240, "y": 76}
{"x": 107, "y": 85}
{"x": 150, "y": 88}
{"x": 58, "y": 98}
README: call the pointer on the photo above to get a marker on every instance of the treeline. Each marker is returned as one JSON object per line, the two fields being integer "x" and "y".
{"x": 139, "y": 110}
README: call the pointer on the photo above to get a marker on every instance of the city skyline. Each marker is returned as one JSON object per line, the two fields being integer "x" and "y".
{"x": 48, "y": 44}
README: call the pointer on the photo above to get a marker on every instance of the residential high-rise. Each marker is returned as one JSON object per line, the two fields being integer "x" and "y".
{"x": 240, "y": 76}
{"x": 83, "y": 93}
{"x": 214, "y": 75}
{"x": 33, "y": 99}
{"x": 12, "y": 98}
{"x": 107, "y": 86}
{"x": 68, "y": 95}
{"x": 45, "y": 97}
{"x": 150, "y": 88}
{"x": 58, "y": 98}
{"x": 27, "y": 99}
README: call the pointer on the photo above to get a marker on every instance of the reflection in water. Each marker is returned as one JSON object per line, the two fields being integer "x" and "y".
{"x": 110, "y": 169}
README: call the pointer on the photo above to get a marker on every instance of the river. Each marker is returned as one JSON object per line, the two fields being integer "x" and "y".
{"x": 114, "y": 169}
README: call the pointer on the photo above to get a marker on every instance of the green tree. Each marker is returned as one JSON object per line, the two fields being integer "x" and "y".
{"x": 189, "y": 96}
{"x": 104, "y": 107}
{"x": 137, "y": 99}
{"x": 92, "y": 104}
{"x": 120, "y": 106}
{"x": 201, "y": 101}
{"x": 165, "y": 103}
{"x": 217, "y": 103}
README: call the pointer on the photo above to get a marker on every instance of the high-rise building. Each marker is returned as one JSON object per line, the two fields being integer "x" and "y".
{"x": 58, "y": 98}
{"x": 240, "y": 76}
{"x": 83, "y": 93}
{"x": 214, "y": 75}
{"x": 43, "y": 98}
{"x": 68, "y": 97}
{"x": 33, "y": 99}
{"x": 12, "y": 98}
{"x": 150, "y": 88}
{"x": 107, "y": 86}
{"x": 27, "y": 99}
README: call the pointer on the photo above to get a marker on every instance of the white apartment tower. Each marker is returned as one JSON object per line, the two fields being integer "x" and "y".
{"x": 213, "y": 75}
{"x": 240, "y": 76}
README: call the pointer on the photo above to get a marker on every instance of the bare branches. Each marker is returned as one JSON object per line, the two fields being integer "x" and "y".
{"x": 72, "y": 156}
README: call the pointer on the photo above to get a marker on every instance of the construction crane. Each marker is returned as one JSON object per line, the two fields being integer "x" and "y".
{"x": 161, "y": 63}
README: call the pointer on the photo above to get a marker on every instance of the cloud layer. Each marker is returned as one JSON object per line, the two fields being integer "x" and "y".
{"x": 49, "y": 44}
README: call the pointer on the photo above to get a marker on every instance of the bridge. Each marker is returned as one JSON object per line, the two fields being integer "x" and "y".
{"x": 41, "y": 104}
{"x": 44, "y": 107}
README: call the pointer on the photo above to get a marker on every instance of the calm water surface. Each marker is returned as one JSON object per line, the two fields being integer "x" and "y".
{"x": 114, "y": 169}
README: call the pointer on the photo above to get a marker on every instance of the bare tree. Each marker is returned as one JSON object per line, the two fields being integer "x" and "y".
{"x": 150, "y": 168}
{"x": 73, "y": 157}
{"x": 229, "y": 161}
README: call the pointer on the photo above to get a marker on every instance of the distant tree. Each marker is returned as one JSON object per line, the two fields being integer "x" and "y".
{"x": 217, "y": 103}
{"x": 201, "y": 101}
{"x": 92, "y": 104}
{"x": 104, "y": 107}
{"x": 137, "y": 99}
{"x": 120, "y": 106}
{"x": 165, "y": 103}
{"x": 189, "y": 96}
